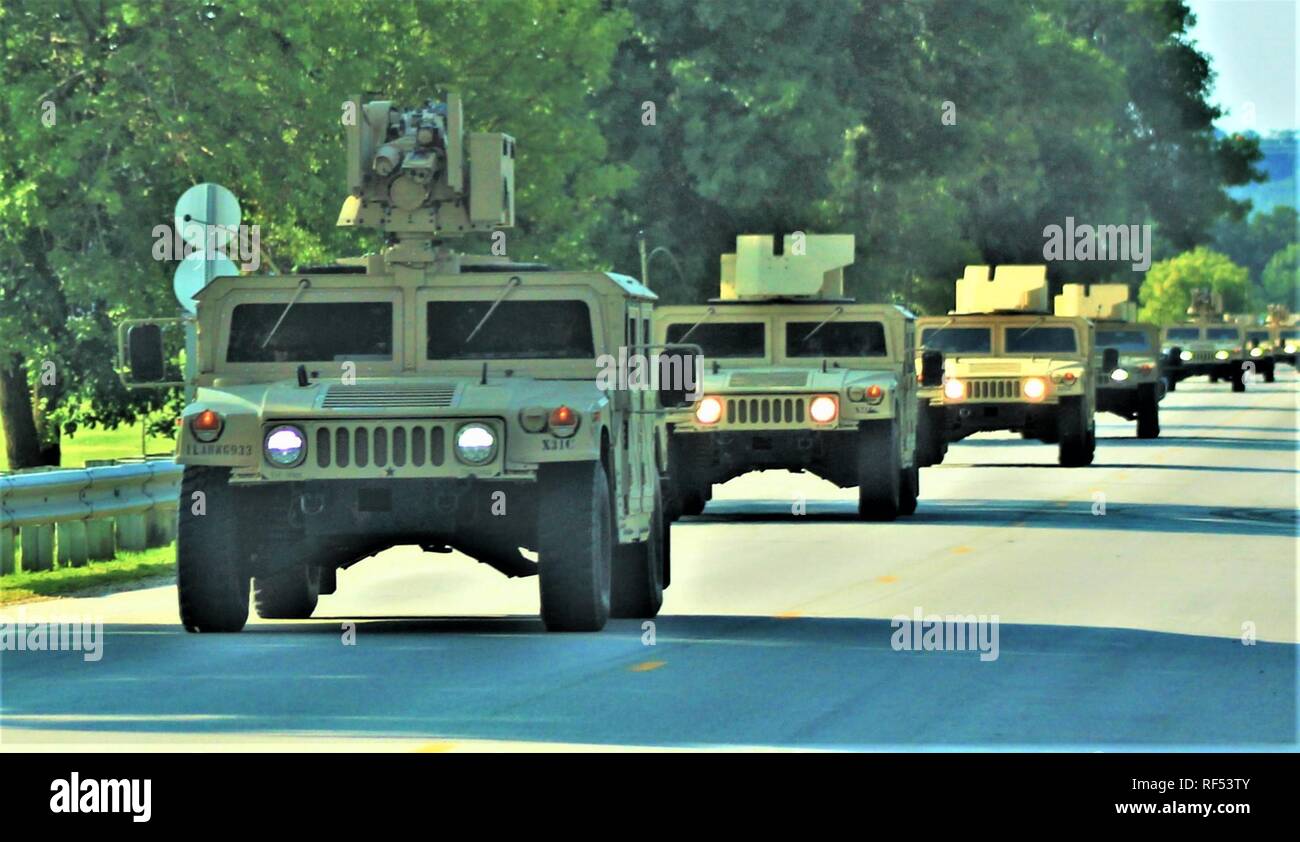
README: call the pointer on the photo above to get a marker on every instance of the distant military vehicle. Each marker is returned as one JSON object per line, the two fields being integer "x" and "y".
{"x": 1134, "y": 388}
{"x": 1205, "y": 344}
{"x": 1013, "y": 365}
{"x": 798, "y": 377}
{"x": 419, "y": 396}
{"x": 1285, "y": 333}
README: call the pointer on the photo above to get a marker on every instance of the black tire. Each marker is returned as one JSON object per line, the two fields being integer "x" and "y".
{"x": 575, "y": 546}
{"x": 1076, "y": 443}
{"x": 211, "y": 582}
{"x": 637, "y": 587}
{"x": 1171, "y": 385}
{"x": 1148, "y": 413}
{"x": 288, "y": 594}
{"x": 930, "y": 444}
{"x": 1238, "y": 379}
{"x": 879, "y": 474}
{"x": 1270, "y": 371}
{"x": 692, "y": 501}
{"x": 909, "y": 490}
{"x": 688, "y": 471}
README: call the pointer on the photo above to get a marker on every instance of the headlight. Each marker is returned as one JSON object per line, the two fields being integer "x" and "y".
{"x": 1119, "y": 375}
{"x": 823, "y": 409}
{"x": 476, "y": 444}
{"x": 1257, "y": 352}
{"x": 1221, "y": 355}
{"x": 709, "y": 410}
{"x": 1185, "y": 355}
{"x": 1035, "y": 388}
{"x": 285, "y": 446}
{"x": 954, "y": 390}
{"x": 1290, "y": 349}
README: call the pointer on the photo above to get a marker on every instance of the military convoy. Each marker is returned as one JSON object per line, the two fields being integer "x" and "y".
{"x": 796, "y": 377}
{"x": 1134, "y": 386}
{"x": 1011, "y": 364}
{"x": 420, "y": 396}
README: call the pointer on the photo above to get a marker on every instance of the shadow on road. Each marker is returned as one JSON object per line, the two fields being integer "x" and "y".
{"x": 707, "y": 681}
{"x": 1145, "y": 466}
{"x": 1035, "y": 514}
{"x": 1228, "y": 442}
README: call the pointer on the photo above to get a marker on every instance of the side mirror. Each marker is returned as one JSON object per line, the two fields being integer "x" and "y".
{"x": 1175, "y": 357}
{"x": 678, "y": 384}
{"x": 931, "y": 368}
{"x": 1109, "y": 360}
{"x": 144, "y": 353}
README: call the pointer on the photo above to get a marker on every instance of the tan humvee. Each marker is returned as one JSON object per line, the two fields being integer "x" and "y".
{"x": 1130, "y": 384}
{"x": 1207, "y": 343}
{"x": 797, "y": 377}
{"x": 1284, "y": 332}
{"x": 421, "y": 397}
{"x": 1012, "y": 365}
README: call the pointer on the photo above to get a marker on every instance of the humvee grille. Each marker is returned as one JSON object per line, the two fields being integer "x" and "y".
{"x": 392, "y": 445}
{"x": 760, "y": 411}
{"x": 741, "y": 379}
{"x": 1004, "y": 388}
{"x": 384, "y": 397}
{"x": 1202, "y": 357}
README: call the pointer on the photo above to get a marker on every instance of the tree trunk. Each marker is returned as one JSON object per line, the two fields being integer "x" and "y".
{"x": 22, "y": 440}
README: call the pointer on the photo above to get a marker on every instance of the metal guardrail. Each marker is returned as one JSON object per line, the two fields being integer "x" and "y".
{"x": 87, "y": 513}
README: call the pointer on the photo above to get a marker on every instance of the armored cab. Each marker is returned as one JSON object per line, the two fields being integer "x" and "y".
{"x": 1126, "y": 354}
{"x": 1011, "y": 364}
{"x": 422, "y": 396}
{"x": 796, "y": 377}
{"x": 1207, "y": 343}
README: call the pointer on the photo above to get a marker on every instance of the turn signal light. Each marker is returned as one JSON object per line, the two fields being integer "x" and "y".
{"x": 206, "y": 426}
{"x": 563, "y": 422}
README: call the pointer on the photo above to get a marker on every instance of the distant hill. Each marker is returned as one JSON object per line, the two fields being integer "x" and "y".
{"x": 1280, "y": 163}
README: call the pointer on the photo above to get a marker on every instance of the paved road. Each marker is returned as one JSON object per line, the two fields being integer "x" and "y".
{"x": 1123, "y": 593}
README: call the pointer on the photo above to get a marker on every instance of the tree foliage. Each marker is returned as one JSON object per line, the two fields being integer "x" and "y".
{"x": 1167, "y": 291}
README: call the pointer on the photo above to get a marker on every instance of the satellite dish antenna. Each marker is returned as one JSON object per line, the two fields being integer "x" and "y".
{"x": 195, "y": 272}
{"x": 207, "y": 209}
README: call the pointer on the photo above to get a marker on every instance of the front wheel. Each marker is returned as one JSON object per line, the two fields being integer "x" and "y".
{"x": 879, "y": 473}
{"x": 574, "y": 546}
{"x": 1077, "y": 443}
{"x": 910, "y": 490}
{"x": 1148, "y": 413}
{"x": 1238, "y": 380}
{"x": 211, "y": 582}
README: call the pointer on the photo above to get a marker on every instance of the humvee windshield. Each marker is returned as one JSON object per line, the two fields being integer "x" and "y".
{"x": 1289, "y": 334}
{"x": 958, "y": 340}
{"x": 723, "y": 339}
{"x": 324, "y": 332}
{"x": 516, "y": 330}
{"x": 1123, "y": 340}
{"x": 835, "y": 339}
{"x": 1039, "y": 340}
{"x": 1222, "y": 334}
{"x": 1257, "y": 336}
{"x": 1183, "y": 333}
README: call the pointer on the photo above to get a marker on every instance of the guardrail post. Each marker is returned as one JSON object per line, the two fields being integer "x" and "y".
{"x": 132, "y": 533}
{"x": 6, "y": 552}
{"x": 159, "y": 525}
{"x": 99, "y": 540}
{"x": 38, "y": 547}
{"x": 71, "y": 541}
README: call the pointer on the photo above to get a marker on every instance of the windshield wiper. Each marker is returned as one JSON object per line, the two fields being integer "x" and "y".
{"x": 510, "y": 284}
{"x": 925, "y": 343}
{"x": 708, "y": 314}
{"x": 302, "y": 287}
{"x": 809, "y": 335}
{"x": 1041, "y": 319}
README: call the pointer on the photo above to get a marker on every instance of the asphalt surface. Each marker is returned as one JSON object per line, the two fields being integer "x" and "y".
{"x": 1123, "y": 594}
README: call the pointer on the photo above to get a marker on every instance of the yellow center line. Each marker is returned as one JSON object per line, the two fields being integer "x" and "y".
{"x": 646, "y": 666}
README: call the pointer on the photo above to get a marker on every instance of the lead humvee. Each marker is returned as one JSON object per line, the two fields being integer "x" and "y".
{"x": 1134, "y": 387}
{"x": 419, "y": 396}
{"x": 799, "y": 378}
{"x": 1013, "y": 365}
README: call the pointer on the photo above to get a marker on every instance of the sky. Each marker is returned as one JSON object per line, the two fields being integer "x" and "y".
{"x": 1252, "y": 46}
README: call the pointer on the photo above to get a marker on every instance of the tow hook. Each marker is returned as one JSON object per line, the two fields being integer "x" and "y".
{"x": 311, "y": 504}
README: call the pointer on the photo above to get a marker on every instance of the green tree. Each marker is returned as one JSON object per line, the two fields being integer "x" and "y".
{"x": 1253, "y": 241}
{"x": 1167, "y": 290}
{"x": 1281, "y": 278}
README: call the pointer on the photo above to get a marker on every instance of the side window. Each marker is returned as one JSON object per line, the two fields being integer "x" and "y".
{"x": 909, "y": 342}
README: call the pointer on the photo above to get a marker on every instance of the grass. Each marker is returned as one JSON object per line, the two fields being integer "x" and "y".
{"x": 95, "y": 578}
{"x": 95, "y": 443}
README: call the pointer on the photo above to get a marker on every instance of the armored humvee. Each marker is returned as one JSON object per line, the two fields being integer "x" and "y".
{"x": 419, "y": 396}
{"x": 798, "y": 378}
{"x": 1207, "y": 343}
{"x": 1013, "y": 365}
{"x": 1134, "y": 386}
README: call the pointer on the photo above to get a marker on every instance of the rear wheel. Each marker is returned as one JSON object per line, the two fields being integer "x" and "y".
{"x": 637, "y": 590}
{"x": 879, "y": 474}
{"x": 909, "y": 490}
{"x": 1148, "y": 413}
{"x": 574, "y": 546}
{"x": 288, "y": 594}
{"x": 211, "y": 582}
{"x": 1076, "y": 438}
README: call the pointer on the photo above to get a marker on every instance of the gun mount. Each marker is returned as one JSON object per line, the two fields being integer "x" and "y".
{"x": 415, "y": 175}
